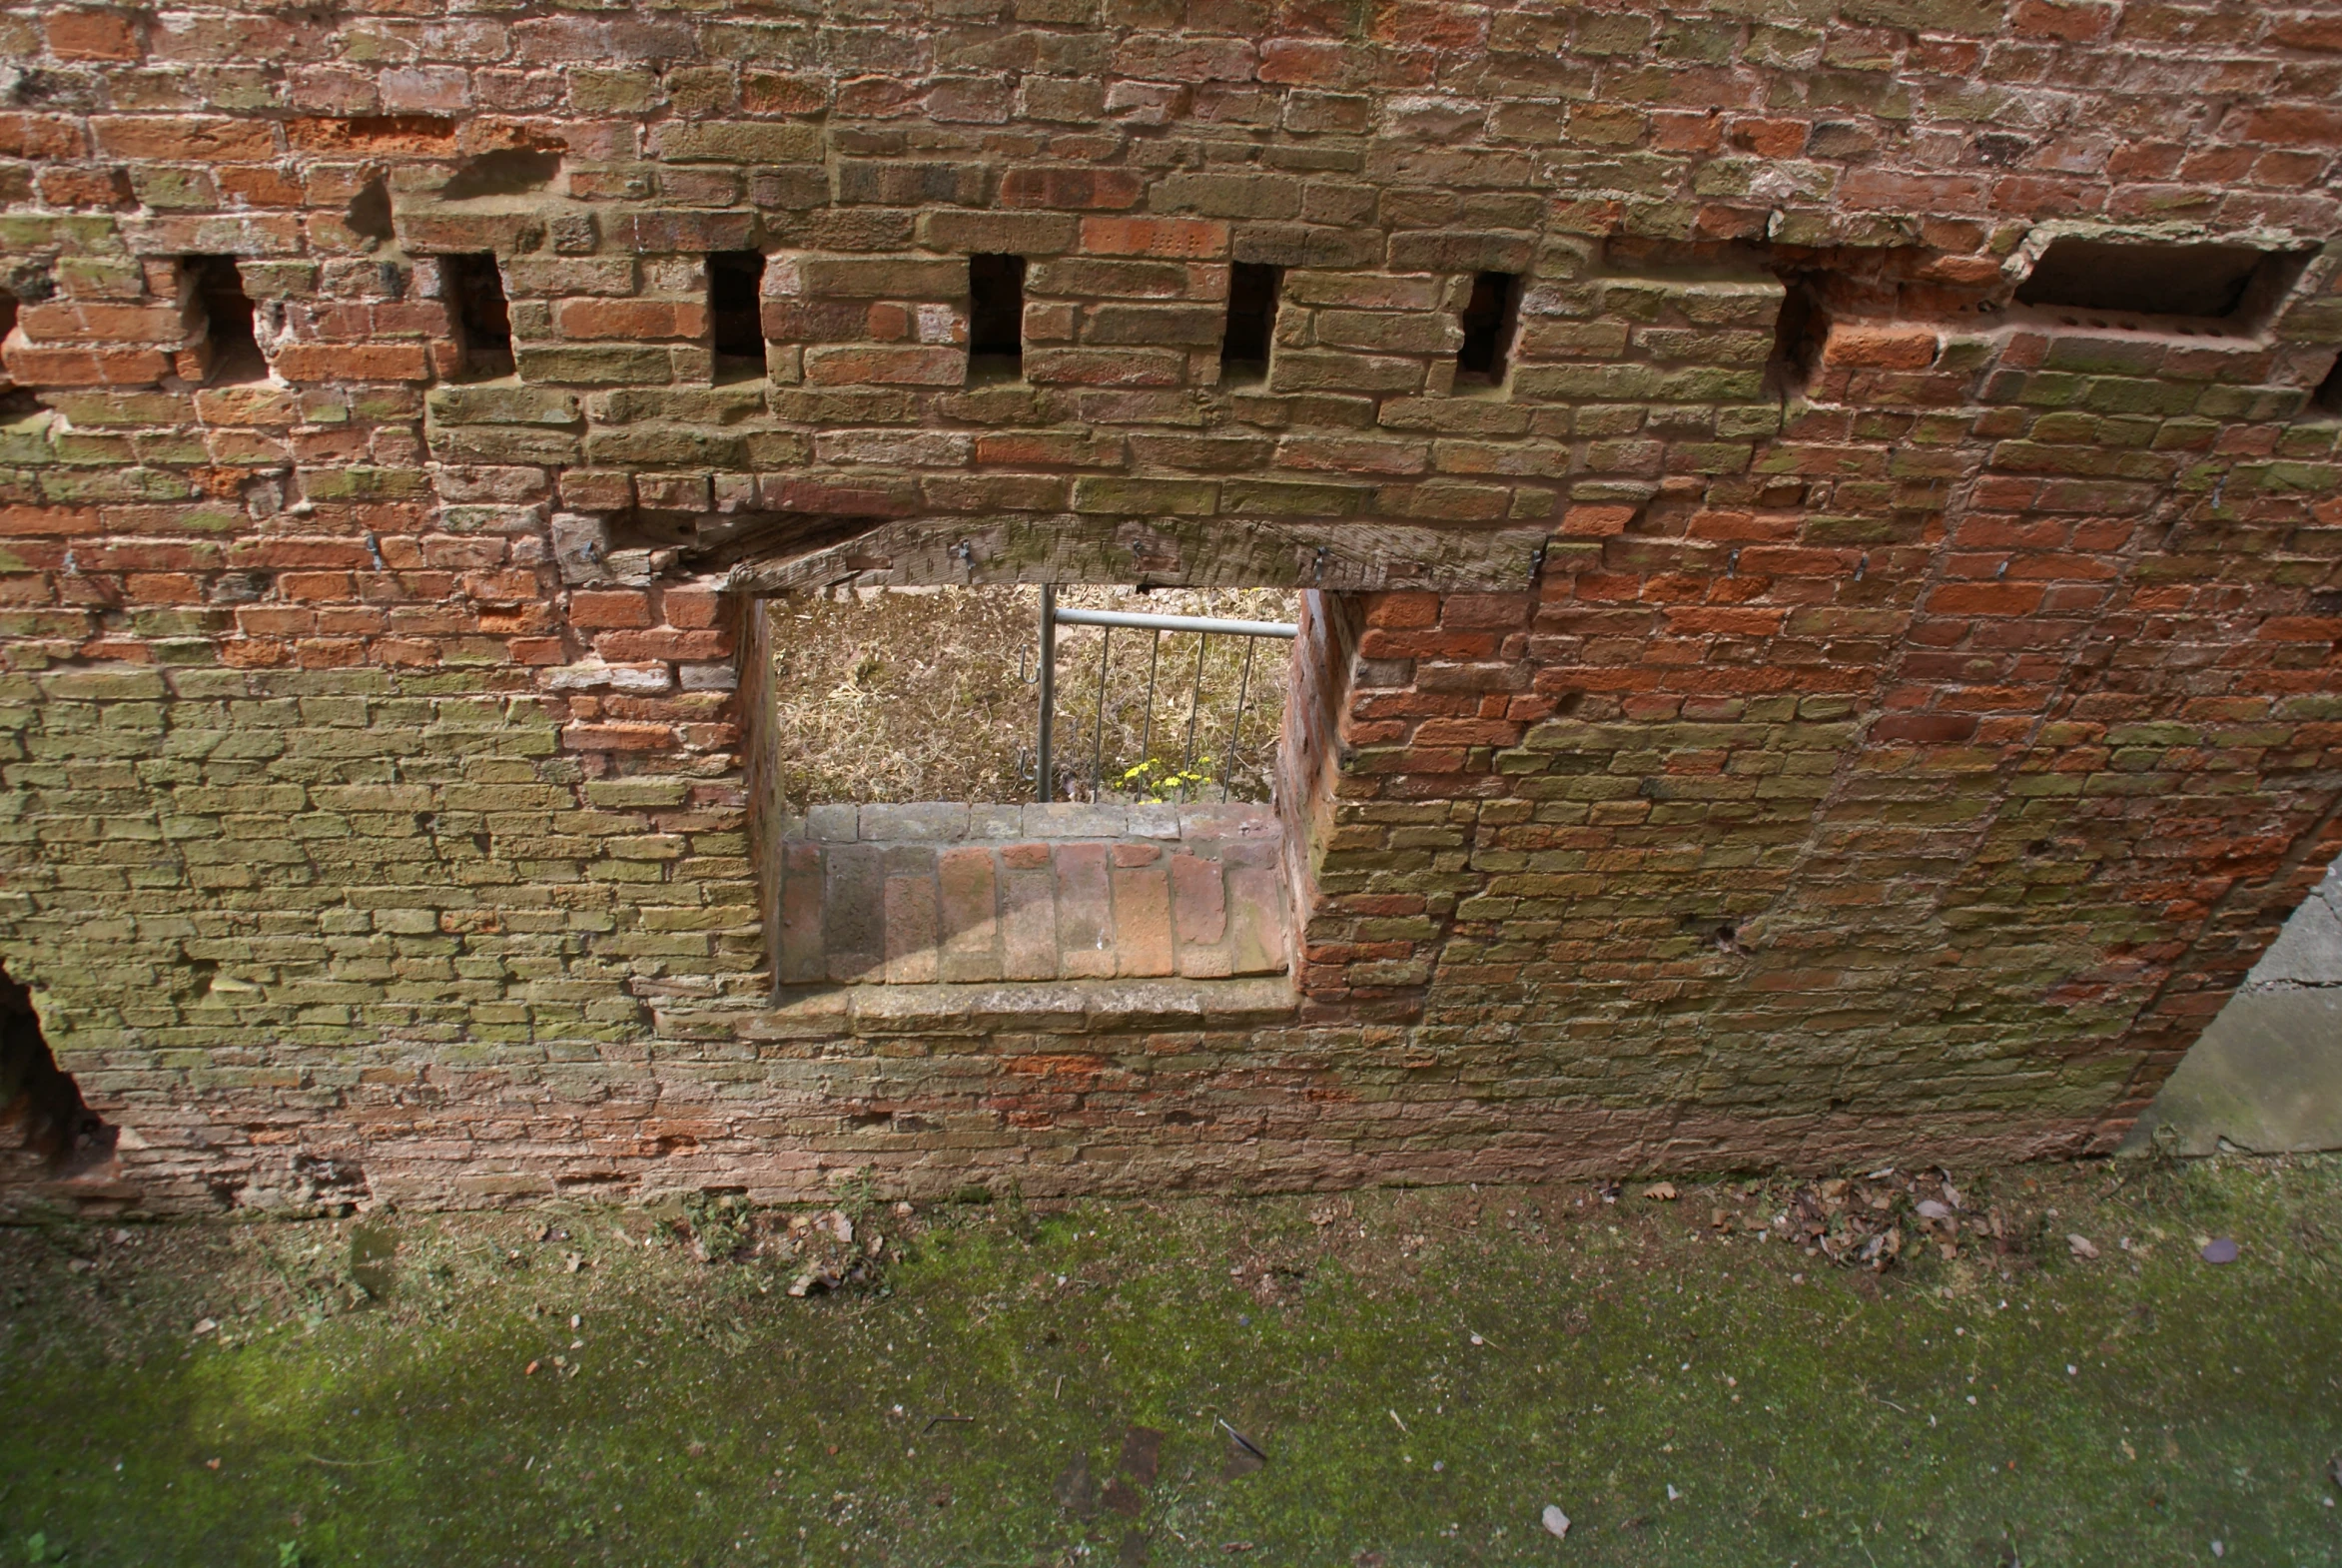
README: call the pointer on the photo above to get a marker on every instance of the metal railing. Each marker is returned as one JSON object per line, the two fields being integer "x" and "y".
{"x": 1108, "y": 621}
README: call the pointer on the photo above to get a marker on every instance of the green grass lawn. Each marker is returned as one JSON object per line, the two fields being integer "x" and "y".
{"x": 1425, "y": 1372}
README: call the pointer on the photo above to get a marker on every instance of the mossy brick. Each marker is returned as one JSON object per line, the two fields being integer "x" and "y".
{"x": 563, "y": 366}
{"x": 502, "y": 404}
{"x": 1135, "y": 497}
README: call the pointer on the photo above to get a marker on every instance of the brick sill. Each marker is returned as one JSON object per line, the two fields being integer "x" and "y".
{"x": 1058, "y": 1007}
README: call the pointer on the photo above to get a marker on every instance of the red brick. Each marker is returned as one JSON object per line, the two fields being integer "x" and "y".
{"x": 185, "y": 138}
{"x": 1880, "y": 347}
{"x": 1072, "y": 187}
{"x": 356, "y": 362}
{"x": 92, "y": 35}
{"x": 1179, "y": 238}
{"x": 599, "y": 609}
{"x": 1141, "y": 919}
{"x": 1084, "y": 912}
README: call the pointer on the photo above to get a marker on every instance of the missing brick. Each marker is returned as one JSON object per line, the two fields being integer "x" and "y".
{"x": 1797, "y": 338}
{"x": 1252, "y": 323}
{"x": 735, "y": 287}
{"x": 478, "y": 313}
{"x": 509, "y": 171}
{"x": 1489, "y": 319}
{"x": 2326, "y": 402}
{"x": 996, "y": 317}
{"x": 230, "y": 349}
{"x": 369, "y": 214}
{"x": 2235, "y": 287}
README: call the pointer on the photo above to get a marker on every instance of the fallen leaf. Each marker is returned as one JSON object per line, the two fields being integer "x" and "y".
{"x": 1931, "y": 1209}
{"x": 529, "y": 1370}
{"x": 1664, "y": 1191}
{"x": 1556, "y": 1522}
{"x": 2219, "y": 1250}
{"x": 205, "y": 1325}
{"x": 2081, "y": 1247}
{"x": 211, "y": 1465}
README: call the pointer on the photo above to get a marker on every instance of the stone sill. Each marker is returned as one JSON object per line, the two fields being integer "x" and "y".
{"x": 1063, "y": 1007}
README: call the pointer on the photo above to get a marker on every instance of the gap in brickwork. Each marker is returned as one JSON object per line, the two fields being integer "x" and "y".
{"x": 1797, "y": 338}
{"x": 232, "y": 348}
{"x": 45, "y": 1126}
{"x": 508, "y": 171}
{"x": 1252, "y": 323}
{"x": 478, "y": 313}
{"x": 369, "y": 214}
{"x": 2234, "y": 287}
{"x": 735, "y": 287}
{"x": 995, "y": 319}
{"x": 2326, "y": 402}
{"x": 1489, "y": 319}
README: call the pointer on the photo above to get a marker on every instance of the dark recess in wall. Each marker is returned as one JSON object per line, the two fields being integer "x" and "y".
{"x": 368, "y": 213}
{"x": 995, "y": 316}
{"x": 1488, "y": 321}
{"x": 477, "y": 310}
{"x": 510, "y": 171}
{"x": 2213, "y": 283}
{"x": 735, "y": 281}
{"x": 228, "y": 331}
{"x": 42, "y": 1117}
{"x": 1251, "y": 322}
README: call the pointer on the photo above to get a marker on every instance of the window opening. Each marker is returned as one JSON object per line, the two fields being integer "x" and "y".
{"x": 232, "y": 351}
{"x": 996, "y": 317}
{"x": 1251, "y": 322}
{"x": 909, "y": 845}
{"x": 41, "y": 1109}
{"x": 2233, "y": 285}
{"x": 1488, "y": 323}
{"x": 735, "y": 304}
{"x": 478, "y": 313}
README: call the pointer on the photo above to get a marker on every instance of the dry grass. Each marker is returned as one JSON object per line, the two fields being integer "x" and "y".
{"x": 903, "y": 694}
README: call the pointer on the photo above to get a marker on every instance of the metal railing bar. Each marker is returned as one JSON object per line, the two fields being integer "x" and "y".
{"x": 1195, "y": 703}
{"x": 1147, "y": 719}
{"x": 1202, "y": 624}
{"x": 1098, "y": 756}
{"x": 1235, "y": 734}
{"x": 1043, "y": 785}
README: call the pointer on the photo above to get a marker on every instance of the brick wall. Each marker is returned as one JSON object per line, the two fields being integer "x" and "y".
{"x": 1817, "y": 706}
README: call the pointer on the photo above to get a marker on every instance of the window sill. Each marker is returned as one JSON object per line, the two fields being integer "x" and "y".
{"x": 1058, "y": 1007}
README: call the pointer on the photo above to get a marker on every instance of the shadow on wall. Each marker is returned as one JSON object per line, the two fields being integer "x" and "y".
{"x": 2267, "y": 1075}
{"x": 46, "y": 1132}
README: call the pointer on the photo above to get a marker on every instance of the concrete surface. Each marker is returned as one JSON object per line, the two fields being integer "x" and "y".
{"x": 2267, "y": 1076}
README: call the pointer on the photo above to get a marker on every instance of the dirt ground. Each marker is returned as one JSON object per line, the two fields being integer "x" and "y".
{"x": 2036, "y": 1365}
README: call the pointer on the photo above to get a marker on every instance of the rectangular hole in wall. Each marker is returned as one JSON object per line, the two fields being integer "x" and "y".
{"x": 2231, "y": 286}
{"x": 1488, "y": 321}
{"x": 898, "y": 739}
{"x": 478, "y": 313}
{"x": 2326, "y": 402}
{"x": 1252, "y": 323}
{"x": 735, "y": 289}
{"x": 1797, "y": 338}
{"x": 232, "y": 351}
{"x": 996, "y": 317}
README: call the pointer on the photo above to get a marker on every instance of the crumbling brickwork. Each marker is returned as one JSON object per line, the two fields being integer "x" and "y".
{"x": 1804, "y": 667}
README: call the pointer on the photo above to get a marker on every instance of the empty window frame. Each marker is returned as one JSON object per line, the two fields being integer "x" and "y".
{"x": 735, "y": 289}
{"x": 1251, "y": 322}
{"x": 2234, "y": 286}
{"x": 1489, "y": 319}
{"x": 479, "y": 315}
{"x": 232, "y": 350}
{"x": 996, "y": 317}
